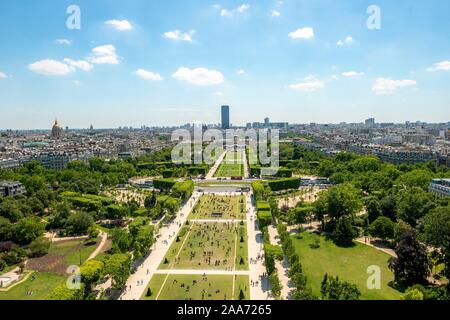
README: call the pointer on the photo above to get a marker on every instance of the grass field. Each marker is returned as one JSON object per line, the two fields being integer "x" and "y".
{"x": 195, "y": 287}
{"x": 230, "y": 207}
{"x": 61, "y": 255}
{"x": 39, "y": 283}
{"x": 350, "y": 264}
{"x": 209, "y": 246}
{"x": 231, "y": 166}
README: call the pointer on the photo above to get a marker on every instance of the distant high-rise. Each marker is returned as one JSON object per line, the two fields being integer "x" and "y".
{"x": 370, "y": 122}
{"x": 225, "y": 117}
{"x": 266, "y": 121}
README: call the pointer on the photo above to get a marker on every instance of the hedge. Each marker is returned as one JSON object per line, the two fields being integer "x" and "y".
{"x": 115, "y": 211}
{"x": 262, "y": 206}
{"x": 274, "y": 250}
{"x": 284, "y": 173}
{"x": 255, "y": 170}
{"x": 167, "y": 173}
{"x": 264, "y": 218}
{"x": 198, "y": 170}
{"x": 164, "y": 184}
{"x": 284, "y": 184}
{"x": 258, "y": 190}
{"x": 183, "y": 189}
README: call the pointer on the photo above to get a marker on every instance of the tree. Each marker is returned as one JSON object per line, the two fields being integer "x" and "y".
{"x": 6, "y": 229}
{"x": 39, "y": 246}
{"x": 27, "y": 229}
{"x": 150, "y": 201}
{"x": 388, "y": 207}
{"x": 62, "y": 292}
{"x": 382, "y": 228}
{"x": 61, "y": 212}
{"x": 413, "y": 294}
{"x": 121, "y": 240}
{"x": 303, "y": 294}
{"x": 436, "y": 232}
{"x": 270, "y": 263}
{"x": 275, "y": 284}
{"x": 400, "y": 228}
{"x": 345, "y": 232}
{"x": 343, "y": 200}
{"x": 93, "y": 233}
{"x": 79, "y": 223}
{"x": 416, "y": 179}
{"x": 334, "y": 289}
{"x": 373, "y": 207}
{"x": 411, "y": 265}
{"x": 118, "y": 267}
{"x": 10, "y": 210}
{"x": 412, "y": 205}
{"x": 91, "y": 272}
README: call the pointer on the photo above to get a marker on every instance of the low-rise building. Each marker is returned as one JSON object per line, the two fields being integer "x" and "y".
{"x": 11, "y": 188}
{"x": 440, "y": 187}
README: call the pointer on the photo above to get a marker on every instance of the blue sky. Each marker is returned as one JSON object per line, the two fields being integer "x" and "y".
{"x": 144, "y": 62}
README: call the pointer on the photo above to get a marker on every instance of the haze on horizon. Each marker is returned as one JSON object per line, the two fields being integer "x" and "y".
{"x": 169, "y": 63}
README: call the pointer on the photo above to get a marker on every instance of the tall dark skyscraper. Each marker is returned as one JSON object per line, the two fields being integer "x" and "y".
{"x": 225, "y": 117}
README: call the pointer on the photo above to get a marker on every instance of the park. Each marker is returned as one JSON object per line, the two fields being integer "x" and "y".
{"x": 219, "y": 207}
{"x": 231, "y": 166}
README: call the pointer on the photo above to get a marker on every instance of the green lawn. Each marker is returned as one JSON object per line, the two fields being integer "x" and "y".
{"x": 230, "y": 207}
{"x": 350, "y": 264}
{"x": 73, "y": 258}
{"x": 231, "y": 166}
{"x": 242, "y": 249}
{"x": 41, "y": 286}
{"x": 195, "y": 287}
{"x": 209, "y": 246}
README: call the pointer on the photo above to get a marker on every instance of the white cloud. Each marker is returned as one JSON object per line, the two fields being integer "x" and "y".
{"x": 3, "y": 75}
{"x": 302, "y": 33}
{"x": 388, "y": 86}
{"x": 225, "y": 13}
{"x": 352, "y": 74}
{"x": 66, "y": 42}
{"x": 177, "y": 35}
{"x": 79, "y": 64}
{"x": 309, "y": 84}
{"x": 440, "y": 66}
{"x": 241, "y": 72}
{"x": 199, "y": 76}
{"x": 120, "y": 25}
{"x": 50, "y": 67}
{"x": 228, "y": 12}
{"x": 347, "y": 40}
{"x": 217, "y": 94}
{"x": 275, "y": 13}
{"x": 243, "y": 8}
{"x": 104, "y": 55}
{"x": 148, "y": 75}
{"x": 76, "y": 82}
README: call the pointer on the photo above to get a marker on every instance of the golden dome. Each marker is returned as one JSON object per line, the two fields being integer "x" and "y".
{"x": 56, "y": 125}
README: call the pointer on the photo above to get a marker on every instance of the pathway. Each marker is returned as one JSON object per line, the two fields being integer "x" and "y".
{"x": 216, "y": 165}
{"x": 207, "y": 272}
{"x": 100, "y": 247}
{"x": 377, "y": 246}
{"x": 150, "y": 265}
{"x": 246, "y": 168}
{"x": 281, "y": 266}
{"x": 255, "y": 249}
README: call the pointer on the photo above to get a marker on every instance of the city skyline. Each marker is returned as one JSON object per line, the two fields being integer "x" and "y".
{"x": 145, "y": 64}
